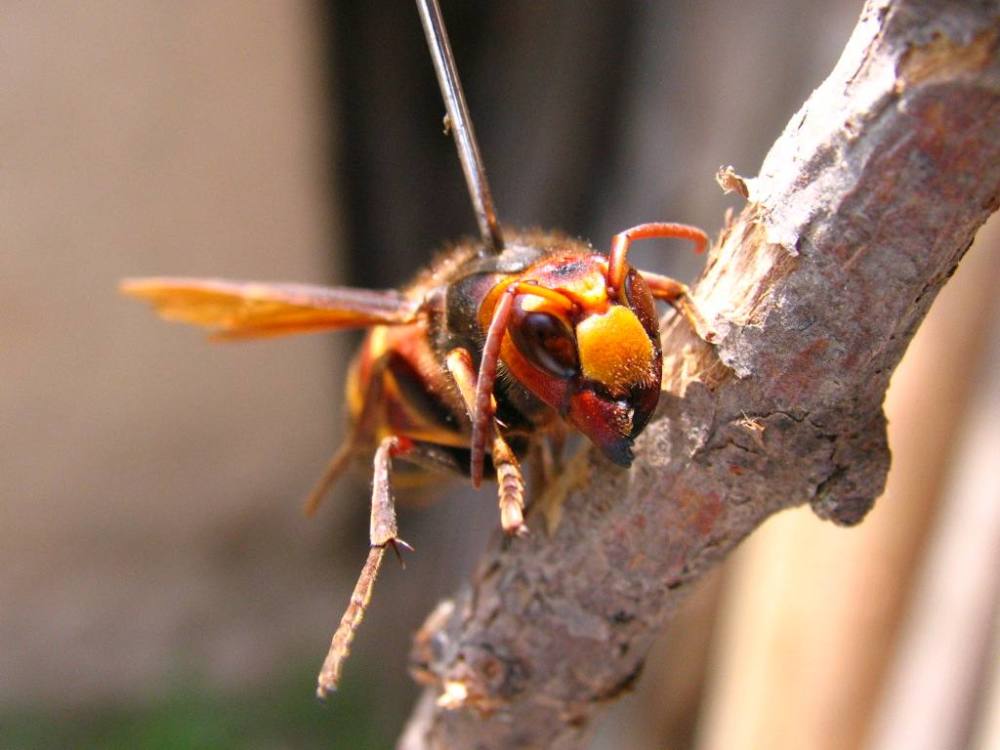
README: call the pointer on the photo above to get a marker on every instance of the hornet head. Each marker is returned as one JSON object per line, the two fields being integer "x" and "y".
{"x": 587, "y": 349}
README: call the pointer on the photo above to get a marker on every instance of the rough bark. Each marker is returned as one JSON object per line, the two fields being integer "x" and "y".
{"x": 861, "y": 211}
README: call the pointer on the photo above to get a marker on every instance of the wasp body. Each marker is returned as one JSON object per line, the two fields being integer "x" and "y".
{"x": 494, "y": 348}
{"x": 473, "y": 364}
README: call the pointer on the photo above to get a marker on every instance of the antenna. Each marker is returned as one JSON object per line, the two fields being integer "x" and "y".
{"x": 461, "y": 124}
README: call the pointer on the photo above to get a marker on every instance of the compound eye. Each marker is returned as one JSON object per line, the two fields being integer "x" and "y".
{"x": 640, "y": 299}
{"x": 546, "y": 341}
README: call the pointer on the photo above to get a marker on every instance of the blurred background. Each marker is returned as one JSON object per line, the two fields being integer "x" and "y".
{"x": 158, "y": 583}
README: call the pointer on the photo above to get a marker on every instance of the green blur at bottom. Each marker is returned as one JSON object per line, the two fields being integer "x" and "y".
{"x": 281, "y": 714}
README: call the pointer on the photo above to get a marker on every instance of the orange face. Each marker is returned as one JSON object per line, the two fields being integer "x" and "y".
{"x": 596, "y": 360}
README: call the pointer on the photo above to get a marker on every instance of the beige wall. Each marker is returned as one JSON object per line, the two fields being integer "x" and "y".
{"x": 141, "y": 468}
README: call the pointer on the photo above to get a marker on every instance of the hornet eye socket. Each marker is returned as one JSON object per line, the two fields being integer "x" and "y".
{"x": 545, "y": 341}
{"x": 641, "y": 301}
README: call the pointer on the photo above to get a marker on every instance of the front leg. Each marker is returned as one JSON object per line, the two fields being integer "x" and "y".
{"x": 662, "y": 287}
{"x": 510, "y": 480}
{"x": 678, "y": 296}
{"x": 383, "y": 533}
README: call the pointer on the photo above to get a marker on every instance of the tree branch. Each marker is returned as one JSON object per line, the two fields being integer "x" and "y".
{"x": 861, "y": 212}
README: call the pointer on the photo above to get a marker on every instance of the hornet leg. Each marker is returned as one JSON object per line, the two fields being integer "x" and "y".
{"x": 510, "y": 480}
{"x": 356, "y": 442}
{"x": 383, "y": 533}
{"x": 678, "y": 296}
{"x": 662, "y": 287}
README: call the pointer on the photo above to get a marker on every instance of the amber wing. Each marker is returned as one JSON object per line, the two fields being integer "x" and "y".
{"x": 250, "y": 309}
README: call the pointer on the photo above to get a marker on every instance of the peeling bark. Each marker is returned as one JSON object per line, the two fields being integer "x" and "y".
{"x": 860, "y": 213}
